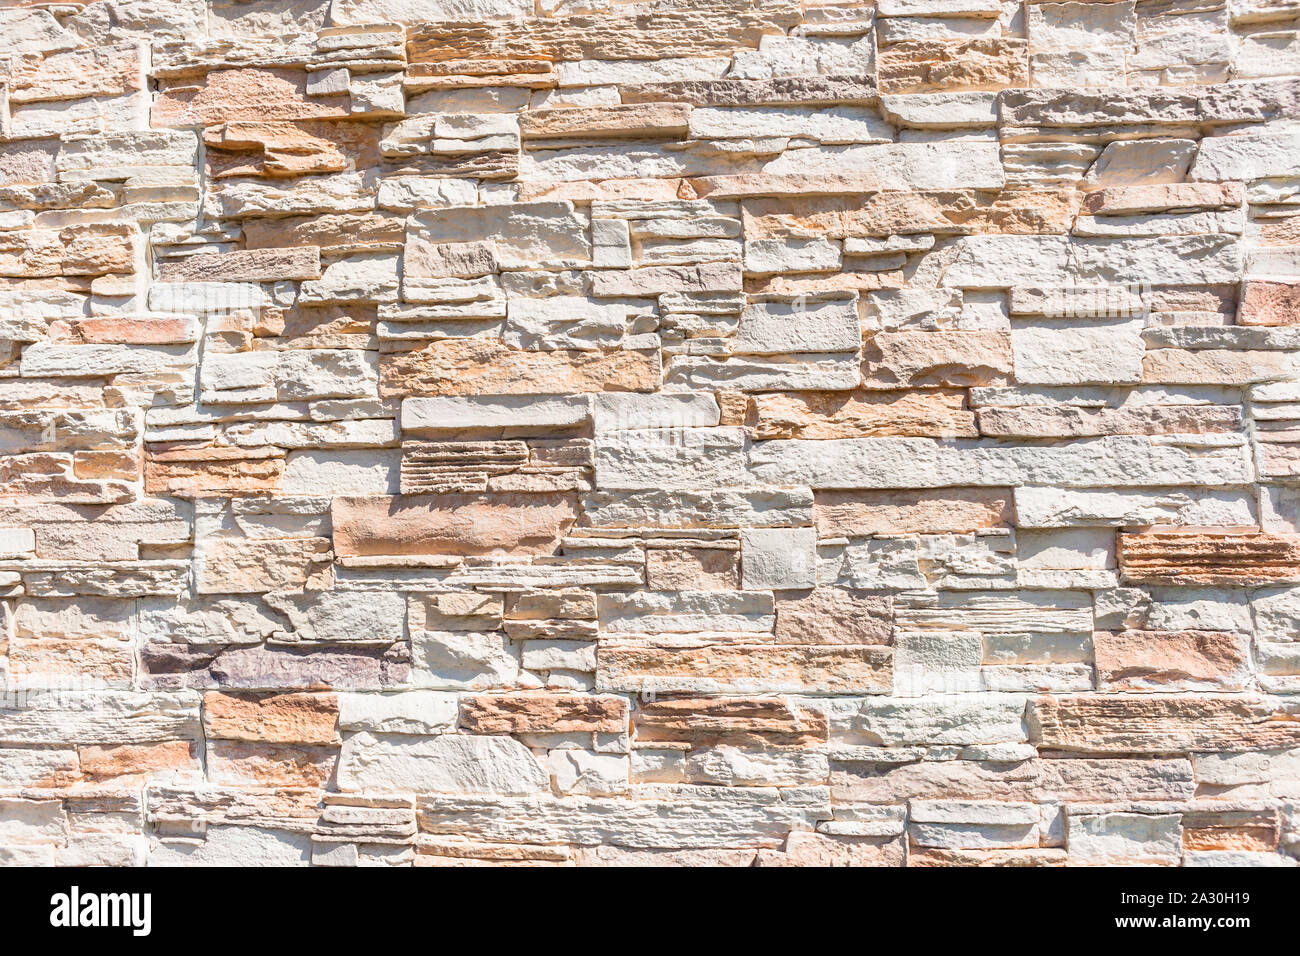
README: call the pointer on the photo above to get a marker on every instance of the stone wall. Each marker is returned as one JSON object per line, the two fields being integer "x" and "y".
{"x": 698, "y": 431}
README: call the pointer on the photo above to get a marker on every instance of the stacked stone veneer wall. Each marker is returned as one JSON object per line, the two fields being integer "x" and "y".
{"x": 713, "y": 431}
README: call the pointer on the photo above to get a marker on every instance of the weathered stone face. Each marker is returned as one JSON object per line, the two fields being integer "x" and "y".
{"x": 689, "y": 432}
{"x": 543, "y": 713}
{"x": 1210, "y": 558}
{"x": 273, "y": 718}
{"x": 452, "y": 524}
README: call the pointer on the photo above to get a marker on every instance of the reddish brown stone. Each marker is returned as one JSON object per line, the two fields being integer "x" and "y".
{"x": 242, "y": 95}
{"x": 649, "y": 119}
{"x": 734, "y": 408}
{"x": 298, "y": 148}
{"x": 1239, "y": 839}
{"x": 53, "y": 659}
{"x": 835, "y": 616}
{"x": 123, "y": 760}
{"x": 476, "y": 366}
{"x": 746, "y": 668}
{"x": 745, "y": 185}
{"x": 270, "y": 765}
{"x": 51, "y": 476}
{"x": 1269, "y": 303}
{"x": 106, "y": 465}
{"x": 319, "y": 322}
{"x": 1280, "y": 232}
{"x": 859, "y": 513}
{"x": 192, "y": 473}
{"x": 1208, "y": 558}
{"x": 93, "y": 249}
{"x": 258, "y": 566}
{"x": 30, "y": 254}
{"x": 542, "y": 712}
{"x": 125, "y": 330}
{"x": 1247, "y": 829}
{"x": 98, "y": 248}
{"x": 1160, "y": 197}
{"x": 73, "y": 74}
{"x": 453, "y": 524}
{"x": 716, "y": 29}
{"x": 692, "y": 569}
{"x": 916, "y": 66}
{"x": 1151, "y": 724}
{"x": 808, "y": 284}
{"x": 327, "y": 231}
{"x": 1174, "y": 660}
{"x": 933, "y": 413}
{"x": 700, "y": 721}
{"x": 271, "y": 718}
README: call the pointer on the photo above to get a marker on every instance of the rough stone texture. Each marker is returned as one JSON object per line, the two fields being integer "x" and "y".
{"x": 682, "y": 432}
{"x": 1211, "y": 559}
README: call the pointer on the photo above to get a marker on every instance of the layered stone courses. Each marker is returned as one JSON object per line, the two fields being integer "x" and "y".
{"x": 691, "y": 432}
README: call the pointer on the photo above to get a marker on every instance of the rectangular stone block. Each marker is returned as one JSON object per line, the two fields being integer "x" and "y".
{"x": 1226, "y": 559}
{"x": 483, "y": 367}
{"x": 740, "y": 668}
{"x": 834, "y": 616}
{"x": 543, "y": 713}
{"x": 855, "y": 513}
{"x": 1151, "y": 724}
{"x": 925, "y": 463}
{"x": 668, "y": 120}
{"x": 271, "y": 718}
{"x": 451, "y": 524}
{"x": 931, "y": 413}
{"x": 699, "y": 721}
{"x": 1170, "y": 660}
